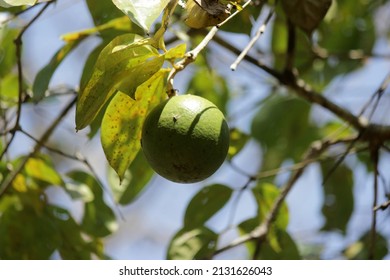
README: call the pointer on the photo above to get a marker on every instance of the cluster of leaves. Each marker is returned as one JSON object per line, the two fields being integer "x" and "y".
{"x": 127, "y": 74}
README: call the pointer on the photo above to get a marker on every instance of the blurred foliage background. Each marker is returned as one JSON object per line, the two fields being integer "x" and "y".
{"x": 306, "y": 175}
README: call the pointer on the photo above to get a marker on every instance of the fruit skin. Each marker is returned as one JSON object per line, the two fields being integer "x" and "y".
{"x": 185, "y": 138}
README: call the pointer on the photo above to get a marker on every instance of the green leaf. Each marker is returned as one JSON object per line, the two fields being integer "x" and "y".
{"x": 265, "y": 195}
{"x": 25, "y": 234}
{"x": 176, "y": 52}
{"x": 350, "y": 27}
{"x": 336, "y": 129}
{"x": 338, "y": 196}
{"x": 99, "y": 220}
{"x": 195, "y": 244}
{"x": 287, "y": 249}
{"x": 284, "y": 129}
{"x": 8, "y": 3}
{"x": 306, "y": 14}
{"x": 238, "y": 139}
{"x": 104, "y": 12}
{"x": 7, "y": 50}
{"x": 72, "y": 246}
{"x": 122, "y": 123}
{"x": 365, "y": 158}
{"x": 143, "y": 13}
{"x": 79, "y": 191}
{"x": 9, "y": 91}
{"x": 205, "y": 204}
{"x": 115, "y": 26}
{"x": 134, "y": 182}
{"x": 42, "y": 169}
{"x": 42, "y": 80}
{"x": 124, "y": 64}
{"x": 360, "y": 250}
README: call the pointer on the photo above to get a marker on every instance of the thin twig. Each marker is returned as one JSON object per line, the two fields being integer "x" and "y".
{"x": 376, "y": 96}
{"x": 372, "y": 244}
{"x": 383, "y": 206}
{"x": 191, "y": 56}
{"x": 260, "y": 31}
{"x": 7, "y": 182}
{"x": 18, "y": 43}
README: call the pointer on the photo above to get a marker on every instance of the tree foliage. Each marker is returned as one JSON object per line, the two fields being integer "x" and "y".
{"x": 302, "y": 48}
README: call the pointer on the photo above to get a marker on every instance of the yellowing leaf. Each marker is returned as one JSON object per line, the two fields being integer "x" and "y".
{"x": 124, "y": 64}
{"x": 9, "y": 3}
{"x": 176, "y": 52}
{"x": 19, "y": 184}
{"x": 122, "y": 122}
{"x": 41, "y": 170}
{"x": 121, "y": 23}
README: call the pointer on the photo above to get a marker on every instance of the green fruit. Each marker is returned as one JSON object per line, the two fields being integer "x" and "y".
{"x": 185, "y": 138}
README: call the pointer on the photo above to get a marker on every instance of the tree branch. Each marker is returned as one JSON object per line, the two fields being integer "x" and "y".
{"x": 303, "y": 90}
{"x": 193, "y": 54}
{"x": 7, "y": 182}
{"x": 260, "y": 233}
{"x": 260, "y": 31}
{"x": 18, "y": 43}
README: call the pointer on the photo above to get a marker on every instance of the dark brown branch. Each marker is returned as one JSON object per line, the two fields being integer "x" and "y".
{"x": 373, "y": 235}
{"x": 290, "y": 47}
{"x": 383, "y": 206}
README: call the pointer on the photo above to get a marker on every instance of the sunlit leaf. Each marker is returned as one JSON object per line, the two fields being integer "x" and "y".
{"x": 43, "y": 170}
{"x": 99, "y": 219}
{"x": 134, "y": 182}
{"x": 287, "y": 249}
{"x": 205, "y": 204}
{"x": 9, "y": 90}
{"x": 338, "y": 196}
{"x": 121, "y": 23}
{"x": 176, "y": 52}
{"x": 336, "y": 129}
{"x": 306, "y": 14}
{"x": 198, "y": 243}
{"x": 8, "y": 3}
{"x": 124, "y": 64}
{"x": 238, "y": 139}
{"x": 42, "y": 80}
{"x": 144, "y": 13}
{"x": 79, "y": 191}
{"x": 19, "y": 183}
{"x": 7, "y": 50}
{"x": 122, "y": 123}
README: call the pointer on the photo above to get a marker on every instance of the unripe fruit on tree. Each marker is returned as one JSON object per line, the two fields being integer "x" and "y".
{"x": 185, "y": 138}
